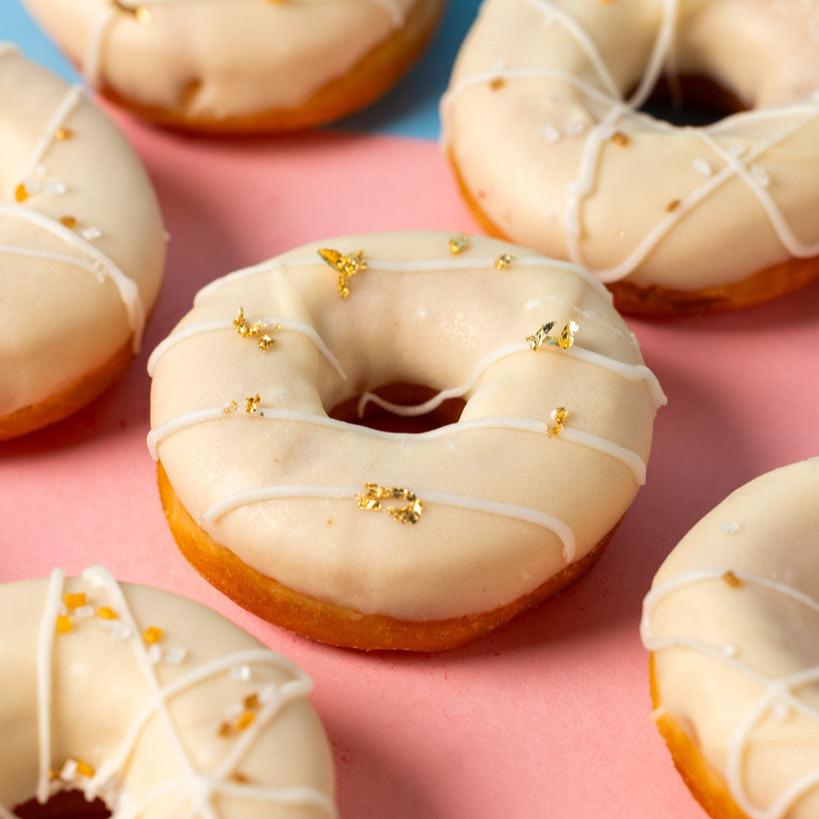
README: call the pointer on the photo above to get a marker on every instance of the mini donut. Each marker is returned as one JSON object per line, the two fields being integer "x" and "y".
{"x": 82, "y": 248}
{"x": 359, "y": 537}
{"x": 732, "y": 624}
{"x": 232, "y": 66}
{"x": 154, "y": 704}
{"x": 545, "y": 134}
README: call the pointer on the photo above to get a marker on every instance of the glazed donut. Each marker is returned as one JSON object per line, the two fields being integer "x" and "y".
{"x": 154, "y": 704}
{"x": 544, "y": 131}
{"x": 241, "y": 65}
{"x": 732, "y": 622}
{"x": 359, "y": 537}
{"x": 81, "y": 248}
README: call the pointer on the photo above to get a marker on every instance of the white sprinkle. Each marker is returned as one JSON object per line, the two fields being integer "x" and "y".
{"x": 268, "y": 694}
{"x": 155, "y": 654}
{"x": 84, "y": 612}
{"x": 69, "y": 770}
{"x": 62, "y": 611}
{"x": 39, "y": 170}
{"x": 701, "y": 166}
{"x": 575, "y": 127}
{"x": 55, "y": 188}
{"x": 234, "y": 710}
{"x": 781, "y": 711}
{"x": 736, "y": 150}
{"x": 550, "y": 133}
{"x": 760, "y": 175}
{"x": 33, "y": 185}
{"x": 730, "y": 650}
{"x": 730, "y": 528}
{"x": 120, "y": 631}
{"x": 241, "y": 673}
{"x": 176, "y": 655}
{"x": 91, "y": 233}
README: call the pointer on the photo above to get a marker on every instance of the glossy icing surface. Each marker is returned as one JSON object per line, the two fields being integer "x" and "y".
{"x": 81, "y": 239}
{"x": 542, "y": 123}
{"x": 506, "y": 503}
{"x": 733, "y": 621}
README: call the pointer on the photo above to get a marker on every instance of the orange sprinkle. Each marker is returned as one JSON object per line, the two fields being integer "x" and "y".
{"x": 75, "y": 601}
{"x": 672, "y": 205}
{"x": 21, "y": 193}
{"x": 732, "y": 580}
{"x": 64, "y": 624}
{"x": 63, "y": 134}
{"x": 252, "y": 702}
{"x": 152, "y": 635}
{"x": 496, "y": 83}
{"x": 68, "y": 221}
{"x": 245, "y": 721}
{"x": 621, "y": 139}
{"x": 239, "y": 777}
{"x": 107, "y": 613}
{"x": 84, "y": 768}
{"x": 224, "y": 729}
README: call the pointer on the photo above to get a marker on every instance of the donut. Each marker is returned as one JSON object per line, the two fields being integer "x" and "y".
{"x": 368, "y": 538}
{"x": 82, "y": 248}
{"x": 233, "y": 66}
{"x": 544, "y": 128}
{"x": 732, "y": 623}
{"x": 153, "y": 704}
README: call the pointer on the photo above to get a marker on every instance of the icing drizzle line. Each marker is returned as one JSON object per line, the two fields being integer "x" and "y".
{"x": 199, "y": 787}
{"x": 630, "y": 458}
{"x": 585, "y": 183}
{"x": 340, "y": 492}
{"x": 775, "y": 691}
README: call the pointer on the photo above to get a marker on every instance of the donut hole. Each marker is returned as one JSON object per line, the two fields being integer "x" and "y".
{"x": 449, "y": 412}
{"x": 691, "y": 99}
{"x": 67, "y": 805}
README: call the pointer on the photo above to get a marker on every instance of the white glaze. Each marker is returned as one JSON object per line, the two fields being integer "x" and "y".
{"x": 736, "y": 685}
{"x": 578, "y": 61}
{"x": 417, "y": 317}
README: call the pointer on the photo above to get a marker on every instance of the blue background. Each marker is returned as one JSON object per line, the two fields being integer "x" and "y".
{"x": 411, "y": 109}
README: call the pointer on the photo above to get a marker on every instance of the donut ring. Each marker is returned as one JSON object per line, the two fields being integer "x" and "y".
{"x": 154, "y": 704}
{"x": 81, "y": 259}
{"x": 298, "y": 516}
{"x": 731, "y": 623}
{"x": 551, "y": 152}
{"x": 241, "y": 66}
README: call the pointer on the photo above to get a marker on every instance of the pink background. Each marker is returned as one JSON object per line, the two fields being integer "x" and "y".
{"x": 549, "y": 716}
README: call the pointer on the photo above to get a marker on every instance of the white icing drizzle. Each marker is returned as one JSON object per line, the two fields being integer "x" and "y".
{"x": 103, "y": 264}
{"x": 630, "y": 458}
{"x": 340, "y": 492}
{"x": 227, "y": 324}
{"x": 776, "y": 692}
{"x": 425, "y": 265}
{"x": 584, "y": 185}
{"x": 199, "y": 786}
{"x": 61, "y": 113}
{"x": 631, "y": 372}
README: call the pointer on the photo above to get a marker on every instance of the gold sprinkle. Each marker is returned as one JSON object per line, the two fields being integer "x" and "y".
{"x": 503, "y": 261}
{"x": 621, "y": 139}
{"x": 244, "y": 721}
{"x": 731, "y": 579}
{"x": 230, "y": 408}
{"x": 75, "y": 601}
{"x": 558, "y": 416}
{"x": 224, "y": 729}
{"x": 152, "y": 635}
{"x": 84, "y": 768}
{"x": 64, "y": 624}
{"x": 252, "y": 702}
{"x": 257, "y": 329}
{"x": 63, "y": 134}
{"x": 266, "y": 342}
{"x": 252, "y": 404}
{"x": 240, "y": 778}
{"x": 21, "y": 193}
{"x": 347, "y": 267}
{"x": 458, "y": 244}
{"x": 68, "y": 221}
{"x": 371, "y": 501}
{"x": 107, "y": 613}
{"x": 565, "y": 340}
{"x": 496, "y": 83}
{"x": 673, "y": 205}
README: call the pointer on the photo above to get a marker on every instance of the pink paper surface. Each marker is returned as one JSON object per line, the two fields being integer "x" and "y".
{"x": 549, "y": 717}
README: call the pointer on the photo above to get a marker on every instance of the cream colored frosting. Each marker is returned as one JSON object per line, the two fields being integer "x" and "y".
{"x": 203, "y": 722}
{"x": 70, "y": 295}
{"x": 242, "y": 57}
{"x": 538, "y": 92}
{"x": 505, "y": 505}
{"x": 733, "y": 619}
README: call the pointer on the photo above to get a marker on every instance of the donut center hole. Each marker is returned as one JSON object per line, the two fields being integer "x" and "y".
{"x": 376, "y": 417}
{"x": 67, "y": 805}
{"x": 691, "y": 99}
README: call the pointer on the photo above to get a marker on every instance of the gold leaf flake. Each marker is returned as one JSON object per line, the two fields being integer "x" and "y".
{"x": 346, "y": 265}
{"x": 374, "y": 497}
{"x": 458, "y": 244}
{"x": 559, "y": 415}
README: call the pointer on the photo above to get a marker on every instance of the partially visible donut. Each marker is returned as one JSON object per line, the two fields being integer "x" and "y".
{"x": 241, "y": 65}
{"x": 543, "y": 127}
{"x": 82, "y": 248}
{"x": 732, "y": 624}
{"x": 373, "y": 539}
{"x": 153, "y": 703}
